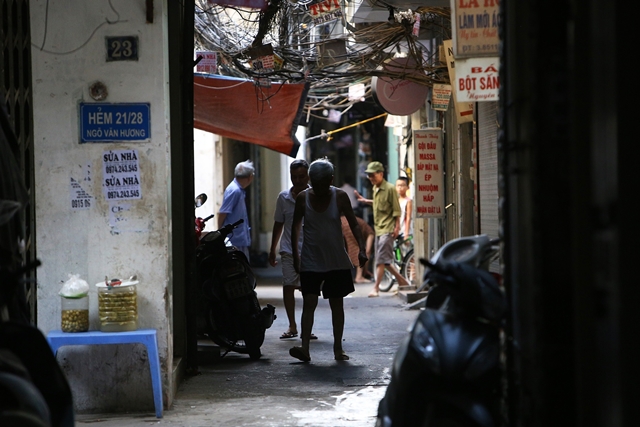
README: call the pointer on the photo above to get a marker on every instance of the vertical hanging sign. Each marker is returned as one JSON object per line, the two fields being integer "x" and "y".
{"x": 464, "y": 110}
{"x": 429, "y": 173}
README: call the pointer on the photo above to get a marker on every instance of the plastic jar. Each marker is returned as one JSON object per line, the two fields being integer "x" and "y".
{"x": 118, "y": 307}
{"x": 74, "y": 314}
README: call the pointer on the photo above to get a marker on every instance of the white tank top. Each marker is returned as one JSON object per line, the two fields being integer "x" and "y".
{"x": 323, "y": 244}
{"x": 403, "y": 217}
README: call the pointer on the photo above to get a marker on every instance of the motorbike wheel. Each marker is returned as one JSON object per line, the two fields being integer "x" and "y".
{"x": 223, "y": 338}
{"x": 253, "y": 343}
{"x": 387, "y": 281}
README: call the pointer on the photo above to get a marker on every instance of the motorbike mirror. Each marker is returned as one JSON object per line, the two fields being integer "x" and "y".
{"x": 200, "y": 199}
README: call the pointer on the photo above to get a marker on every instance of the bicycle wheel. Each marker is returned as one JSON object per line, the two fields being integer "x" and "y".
{"x": 408, "y": 269}
{"x": 387, "y": 281}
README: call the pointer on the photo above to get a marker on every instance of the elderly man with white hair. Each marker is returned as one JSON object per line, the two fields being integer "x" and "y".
{"x": 234, "y": 206}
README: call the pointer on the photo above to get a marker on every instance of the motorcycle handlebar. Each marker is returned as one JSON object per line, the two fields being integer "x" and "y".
{"x": 227, "y": 229}
{"x": 433, "y": 267}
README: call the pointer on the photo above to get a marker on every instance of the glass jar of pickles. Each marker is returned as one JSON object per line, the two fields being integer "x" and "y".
{"x": 118, "y": 305}
{"x": 75, "y": 314}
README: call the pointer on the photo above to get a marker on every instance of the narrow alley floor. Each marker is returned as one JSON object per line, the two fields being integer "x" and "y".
{"x": 281, "y": 391}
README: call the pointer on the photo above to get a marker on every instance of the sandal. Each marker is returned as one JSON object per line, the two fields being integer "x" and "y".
{"x": 373, "y": 294}
{"x": 288, "y": 334}
{"x": 341, "y": 356}
{"x": 300, "y": 354}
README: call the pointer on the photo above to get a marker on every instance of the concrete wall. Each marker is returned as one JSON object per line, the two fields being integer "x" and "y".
{"x": 207, "y": 170}
{"x": 110, "y": 238}
{"x": 272, "y": 179}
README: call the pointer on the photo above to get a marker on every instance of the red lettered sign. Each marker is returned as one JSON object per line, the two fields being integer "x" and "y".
{"x": 429, "y": 174}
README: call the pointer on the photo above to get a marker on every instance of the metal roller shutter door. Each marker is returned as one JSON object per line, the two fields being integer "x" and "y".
{"x": 488, "y": 170}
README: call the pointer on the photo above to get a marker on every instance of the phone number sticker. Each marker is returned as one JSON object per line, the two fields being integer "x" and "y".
{"x": 121, "y": 175}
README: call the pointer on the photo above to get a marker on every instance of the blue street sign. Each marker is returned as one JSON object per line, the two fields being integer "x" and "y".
{"x": 115, "y": 122}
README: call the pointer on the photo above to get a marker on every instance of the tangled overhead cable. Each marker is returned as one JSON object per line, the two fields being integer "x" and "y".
{"x": 331, "y": 56}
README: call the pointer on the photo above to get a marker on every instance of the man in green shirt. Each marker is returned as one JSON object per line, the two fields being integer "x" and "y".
{"x": 386, "y": 221}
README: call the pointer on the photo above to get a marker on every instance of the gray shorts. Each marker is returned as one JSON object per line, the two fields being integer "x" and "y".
{"x": 289, "y": 275}
{"x": 384, "y": 249}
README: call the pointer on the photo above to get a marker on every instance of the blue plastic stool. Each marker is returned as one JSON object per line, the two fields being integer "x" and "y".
{"x": 147, "y": 337}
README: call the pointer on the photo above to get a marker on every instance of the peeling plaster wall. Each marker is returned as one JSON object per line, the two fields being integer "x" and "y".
{"x": 115, "y": 239}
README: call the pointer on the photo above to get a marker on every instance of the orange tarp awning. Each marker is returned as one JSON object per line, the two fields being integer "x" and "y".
{"x": 238, "y": 109}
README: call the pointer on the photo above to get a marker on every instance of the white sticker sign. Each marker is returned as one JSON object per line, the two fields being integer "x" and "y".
{"x": 208, "y": 63}
{"x": 80, "y": 199}
{"x": 121, "y": 175}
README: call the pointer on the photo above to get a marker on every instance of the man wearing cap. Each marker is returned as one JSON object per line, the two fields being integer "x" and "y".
{"x": 386, "y": 221}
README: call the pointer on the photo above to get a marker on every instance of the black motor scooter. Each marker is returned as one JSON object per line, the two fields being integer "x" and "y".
{"x": 447, "y": 370}
{"x": 229, "y": 312}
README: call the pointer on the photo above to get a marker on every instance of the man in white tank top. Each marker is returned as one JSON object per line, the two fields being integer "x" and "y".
{"x": 324, "y": 267}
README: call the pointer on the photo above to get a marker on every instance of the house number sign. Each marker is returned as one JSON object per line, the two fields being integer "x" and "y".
{"x": 122, "y": 48}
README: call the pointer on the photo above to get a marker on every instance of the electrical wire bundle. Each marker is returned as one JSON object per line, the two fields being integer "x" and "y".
{"x": 331, "y": 56}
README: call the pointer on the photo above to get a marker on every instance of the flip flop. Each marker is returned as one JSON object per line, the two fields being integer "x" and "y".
{"x": 341, "y": 356}
{"x": 313, "y": 337}
{"x": 288, "y": 334}
{"x": 373, "y": 294}
{"x": 298, "y": 353}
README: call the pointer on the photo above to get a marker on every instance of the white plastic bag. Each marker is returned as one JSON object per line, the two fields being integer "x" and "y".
{"x": 75, "y": 287}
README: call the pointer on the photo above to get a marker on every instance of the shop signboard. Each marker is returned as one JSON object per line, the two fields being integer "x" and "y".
{"x": 325, "y": 11}
{"x": 477, "y": 79}
{"x": 429, "y": 173}
{"x": 464, "y": 110}
{"x": 440, "y": 96}
{"x": 475, "y": 27}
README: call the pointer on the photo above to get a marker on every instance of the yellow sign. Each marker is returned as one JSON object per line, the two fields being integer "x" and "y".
{"x": 464, "y": 109}
{"x": 475, "y": 27}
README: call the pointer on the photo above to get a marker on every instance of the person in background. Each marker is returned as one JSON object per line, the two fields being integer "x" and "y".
{"x": 406, "y": 206}
{"x": 386, "y": 221}
{"x": 362, "y": 273}
{"x": 324, "y": 264}
{"x": 282, "y": 220}
{"x": 351, "y": 192}
{"x": 234, "y": 206}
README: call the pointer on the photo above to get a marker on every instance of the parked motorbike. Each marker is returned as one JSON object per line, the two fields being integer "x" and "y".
{"x": 447, "y": 370}
{"x": 229, "y": 313}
